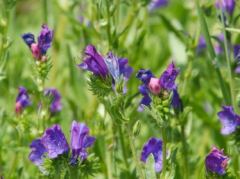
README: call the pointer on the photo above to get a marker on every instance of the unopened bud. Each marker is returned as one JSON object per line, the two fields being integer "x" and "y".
{"x": 137, "y": 128}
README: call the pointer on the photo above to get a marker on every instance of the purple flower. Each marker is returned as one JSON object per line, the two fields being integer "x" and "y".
{"x": 45, "y": 39}
{"x": 226, "y": 5}
{"x": 111, "y": 65}
{"x": 80, "y": 141}
{"x": 201, "y": 45}
{"x": 167, "y": 79}
{"x": 176, "y": 101}
{"x": 29, "y": 39}
{"x": 154, "y": 147}
{"x": 119, "y": 69}
{"x": 54, "y": 142}
{"x": 146, "y": 99}
{"x": 154, "y": 86}
{"x": 22, "y": 100}
{"x": 56, "y": 104}
{"x": 37, "y": 153}
{"x": 236, "y": 52}
{"x": 216, "y": 161}
{"x": 144, "y": 76}
{"x": 39, "y": 49}
{"x": 230, "y": 120}
{"x": 155, "y": 4}
{"x": 94, "y": 62}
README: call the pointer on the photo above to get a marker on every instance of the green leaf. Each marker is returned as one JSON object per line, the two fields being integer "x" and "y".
{"x": 225, "y": 91}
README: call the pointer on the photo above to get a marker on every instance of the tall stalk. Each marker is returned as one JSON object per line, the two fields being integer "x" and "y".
{"x": 228, "y": 58}
{"x": 135, "y": 158}
{"x": 164, "y": 151}
{"x": 225, "y": 92}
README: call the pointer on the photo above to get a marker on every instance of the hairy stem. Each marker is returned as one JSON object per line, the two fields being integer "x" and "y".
{"x": 123, "y": 147}
{"x": 164, "y": 150}
{"x": 184, "y": 151}
{"x": 135, "y": 158}
{"x": 230, "y": 76}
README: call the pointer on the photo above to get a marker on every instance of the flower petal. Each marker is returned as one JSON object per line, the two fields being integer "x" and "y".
{"x": 54, "y": 141}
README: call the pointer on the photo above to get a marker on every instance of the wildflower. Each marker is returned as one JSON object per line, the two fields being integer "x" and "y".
{"x": 154, "y": 147}
{"x": 216, "y": 161}
{"x": 226, "y": 5}
{"x": 167, "y": 79}
{"x": 53, "y": 144}
{"x": 22, "y": 100}
{"x": 155, "y": 4}
{"x": 94, "y": 62}
{"x": 117, "y": 68}
{"x": 230, "y": 120}
{"x": 37, "y": 153}
{"x": 176, "y": 101}
{"x": 40, "y": 48}
{"x": 236, "y": 52}
{"x": 56, "y": 104}
{"x": 155, "y": 86}
{"x": 80, "y": 141}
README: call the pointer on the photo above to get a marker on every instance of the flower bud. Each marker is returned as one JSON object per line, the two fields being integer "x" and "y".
{"x": 136, "y": 128}
{"x": 154, "y": 86}
{"x": 35, "y": 50}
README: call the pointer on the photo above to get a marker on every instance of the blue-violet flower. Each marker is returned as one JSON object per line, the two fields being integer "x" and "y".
{"x": 40, "y": 48}
{"x": 154, "y": 147}
{"x": 22, "y": 100}
{"x": 230, "y": 120}
{"x": 216, "y": 161}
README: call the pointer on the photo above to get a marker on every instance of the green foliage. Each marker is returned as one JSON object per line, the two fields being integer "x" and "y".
{"x": 62, "y": 169}
{"x": 150, "y": 40}
{"x": 99, "y": 86}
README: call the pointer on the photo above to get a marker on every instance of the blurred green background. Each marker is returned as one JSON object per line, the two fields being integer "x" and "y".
{"x": 148, "y": 40}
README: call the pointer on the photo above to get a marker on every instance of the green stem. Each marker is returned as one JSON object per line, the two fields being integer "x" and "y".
{"x": 135, "y": 158}
{"x": 226, "y": 47}
{"x": 212, "y": 54}
{"x": 184, "y": 152}
{"x": 123, "y": 147}
{"x": 109, "y": 24}
{"x": 164, "y": 150}
{"x": 45, "y": 11}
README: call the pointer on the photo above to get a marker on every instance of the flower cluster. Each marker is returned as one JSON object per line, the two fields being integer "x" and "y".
{"x": 216, "y": 161}
{"x": 53, "y": 143}
{"x": 109, "y": 66}
{"x": 23, "y": 100}
{"x": 39, "y": 48}
{"x": 158, "y": 86}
